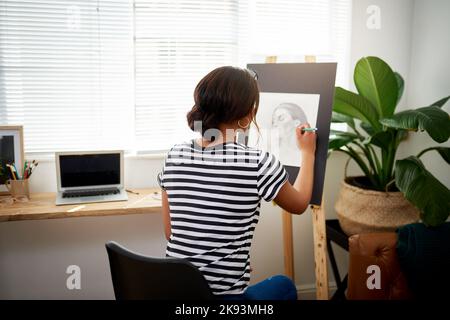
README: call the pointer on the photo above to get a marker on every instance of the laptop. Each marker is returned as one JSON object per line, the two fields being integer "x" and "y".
{"x": 84, "y": 177}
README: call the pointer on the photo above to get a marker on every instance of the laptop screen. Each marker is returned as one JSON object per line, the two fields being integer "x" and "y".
{"x": 89, "y": 170}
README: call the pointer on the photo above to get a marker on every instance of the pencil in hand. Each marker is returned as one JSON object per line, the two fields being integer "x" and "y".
{"x": 309, "y": 129}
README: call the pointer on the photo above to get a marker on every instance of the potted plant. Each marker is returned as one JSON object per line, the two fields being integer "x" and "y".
{"x": 391, "y": 192}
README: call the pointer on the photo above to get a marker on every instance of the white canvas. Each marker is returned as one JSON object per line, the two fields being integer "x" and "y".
{"x": 278, "y": 116}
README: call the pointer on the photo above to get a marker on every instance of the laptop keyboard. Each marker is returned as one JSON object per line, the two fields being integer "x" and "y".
{"x": 90, "y": 192}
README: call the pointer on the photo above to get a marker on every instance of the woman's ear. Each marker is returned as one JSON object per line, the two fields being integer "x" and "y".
{"x": 244, "y": 123}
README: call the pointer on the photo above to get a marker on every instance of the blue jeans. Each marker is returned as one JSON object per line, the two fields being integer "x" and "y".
{"x": 274, "y": 288}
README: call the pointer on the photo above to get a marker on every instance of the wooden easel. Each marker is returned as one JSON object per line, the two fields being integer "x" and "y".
{"x": 320, "y": 251}
{"x": 320, "y": 243}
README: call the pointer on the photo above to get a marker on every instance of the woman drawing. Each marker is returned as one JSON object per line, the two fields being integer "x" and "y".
{"x": 212, "y": 188}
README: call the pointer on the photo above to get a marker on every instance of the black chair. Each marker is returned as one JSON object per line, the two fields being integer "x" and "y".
{"x": 138, "y": 277}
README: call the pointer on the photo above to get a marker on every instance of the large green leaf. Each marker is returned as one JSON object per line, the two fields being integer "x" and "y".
{"x": 342, "y": 118}
{"x": 382, "y": 139}
{"x": 400, "y": 85}
{"x": 356, "y": 106}
{"x": 367, "y": 128}
{"x": 389, "y": 138}
{"x": 432, "y": 119}
{"x": 376, "y": 82}
{"x": 423, "y": 190}
{"x": 441, "y": 102}
{"x": 443, "y": 151}
{"x": 339, "y": 141}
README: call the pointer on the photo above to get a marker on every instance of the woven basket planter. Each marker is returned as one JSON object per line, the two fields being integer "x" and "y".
{"x": 361, "y": 211}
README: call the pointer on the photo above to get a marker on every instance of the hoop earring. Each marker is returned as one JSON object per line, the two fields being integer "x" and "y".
{"x": 241, "y": 126}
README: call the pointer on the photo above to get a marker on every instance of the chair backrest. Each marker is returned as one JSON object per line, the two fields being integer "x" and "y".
{"x": 139, "y": 277}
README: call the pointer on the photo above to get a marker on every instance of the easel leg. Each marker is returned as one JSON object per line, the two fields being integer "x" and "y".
{"x": 320, "y": 252}
{"x": 288, "y": 244}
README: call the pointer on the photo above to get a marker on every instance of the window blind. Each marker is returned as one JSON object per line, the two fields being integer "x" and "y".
{"x": 121, "y": 73}
{"x": 177, "y": 42}
{"x": 67, "y": 72}
{"x": 292, "y": 29}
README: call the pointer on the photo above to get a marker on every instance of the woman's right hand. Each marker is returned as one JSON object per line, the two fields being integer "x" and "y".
{"x": 296, "y": 198}
{"x": 306, "y": 140}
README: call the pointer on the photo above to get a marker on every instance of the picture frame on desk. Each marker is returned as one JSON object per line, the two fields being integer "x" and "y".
{"x": 11, "y": 151}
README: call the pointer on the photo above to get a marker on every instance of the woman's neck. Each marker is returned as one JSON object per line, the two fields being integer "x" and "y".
{"x": 227, "y": 135}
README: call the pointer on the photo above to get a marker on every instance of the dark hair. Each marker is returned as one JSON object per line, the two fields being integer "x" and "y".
{"x": 224, "y": 95}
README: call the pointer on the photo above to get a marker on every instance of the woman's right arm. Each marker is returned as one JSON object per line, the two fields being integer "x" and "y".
{"x": 295, "y": 198}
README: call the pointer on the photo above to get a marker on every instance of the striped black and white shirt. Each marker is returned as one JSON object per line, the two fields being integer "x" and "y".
{"x": 214, "y": 199}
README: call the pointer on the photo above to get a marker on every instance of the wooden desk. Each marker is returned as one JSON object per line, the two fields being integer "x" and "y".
{"x": 42, "y": 206}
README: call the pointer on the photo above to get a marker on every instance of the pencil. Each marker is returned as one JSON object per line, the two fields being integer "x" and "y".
{"x": 17, "y": 172}
{"x": 309, "y": 129}
{"x": 24, "y": 170}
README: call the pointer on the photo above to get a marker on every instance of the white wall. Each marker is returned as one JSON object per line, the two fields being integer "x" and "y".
{"x": 34, "y": 254}
{"x": 429, "y": 74}
{"x": 392, "y": 42}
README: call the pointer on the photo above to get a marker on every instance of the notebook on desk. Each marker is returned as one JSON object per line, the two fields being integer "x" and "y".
{"x": 84, "y": 177}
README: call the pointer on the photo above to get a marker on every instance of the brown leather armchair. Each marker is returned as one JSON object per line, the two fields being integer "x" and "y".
{"x": 375, "y": 249}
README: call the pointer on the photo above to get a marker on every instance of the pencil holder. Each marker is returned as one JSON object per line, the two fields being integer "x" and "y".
{"x": 18, "y": 188}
